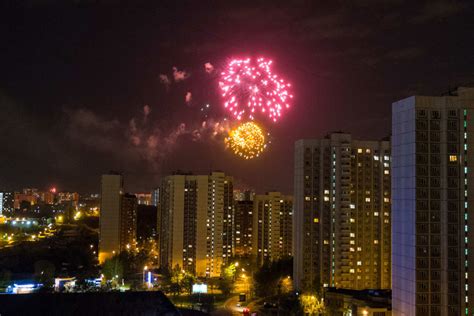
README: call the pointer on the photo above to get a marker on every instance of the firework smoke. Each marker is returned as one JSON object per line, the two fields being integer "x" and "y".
{"x": 188, "y": 97}
{"x": 165, "y": 80}
{"x": 208, "y": 67}
{"x": 179, "y": 75}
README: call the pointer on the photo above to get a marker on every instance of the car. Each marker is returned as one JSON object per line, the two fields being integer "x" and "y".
{"x": 269, "y": 305}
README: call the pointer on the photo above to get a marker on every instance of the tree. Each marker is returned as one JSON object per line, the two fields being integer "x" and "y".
{"x": 5, "y": 278}
{"x": 311, "y": 304}
{"x": 187, "y": 282}
{"x": 226, "y": 285}
{"x": 112, "y": 269}
{"x": 268, "y": 277}
{"x": 44, "y": 274}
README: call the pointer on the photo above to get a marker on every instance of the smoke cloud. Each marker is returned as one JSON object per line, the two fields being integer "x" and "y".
{"x": 165, "y": 80}
{"x": 179, "y": 75}
{"x": 188, "y": 97}
{"x": 208, "y": 67}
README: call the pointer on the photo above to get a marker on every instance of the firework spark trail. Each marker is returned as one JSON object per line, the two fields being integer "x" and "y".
{"x": 250, "y": 88}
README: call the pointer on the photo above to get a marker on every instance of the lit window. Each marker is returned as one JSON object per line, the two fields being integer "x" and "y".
{"x": 376, "y": 213}
{"x": 353, "y": 206}
{"x": 453, "y": 158}
{"x": 307, "y": 198}
{"x": 367, "y": 151}
{"x": 386, "y": 200}
{"x": 326, "y": 242}
{"x": 386, "y": 171}
{"x": 316, "y": 220}
{"x": 326, "y": 191}
{"x": 376, "y": 241}
{"x": 376, "y": 157}
{"x": 359, "y": 150}
{"x": 351, "y": 270}
{"x": 353, "y": 220}
{"x": 367, "y": 199}
{"x": 359, "y": 263}
{"x": 386, "y": 158}
{"x": 352, "y": 235}
{"x": 326, "y": 198}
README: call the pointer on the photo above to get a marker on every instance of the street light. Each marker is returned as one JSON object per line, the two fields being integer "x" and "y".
{"x": 145, "y": 268}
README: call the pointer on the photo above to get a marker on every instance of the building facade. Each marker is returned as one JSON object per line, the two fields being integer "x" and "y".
{"x": 8, "y": 202}
{"x": 110, "y": 212}
{"x": 432, "y": 196}
{"x": 243, "y": 226}
{"x": 128, "y": 221}
{"x": 272, "y": 227}
{"x": 195, "y": 221}
{"x": 342, "y": 213}
{"x": 144, "y": 198}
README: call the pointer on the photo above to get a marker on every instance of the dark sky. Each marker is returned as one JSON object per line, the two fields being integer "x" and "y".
{"x": 74, "y": 74}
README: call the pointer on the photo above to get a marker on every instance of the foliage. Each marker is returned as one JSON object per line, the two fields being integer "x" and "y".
{"x": 113, "y": 268}
{"x": 5, "y": 278}
{"x": 269, "y": 276}
{"x": 226, "y": 285}
{"x": 44, "y": 274}
{"x": 311, "y": 304}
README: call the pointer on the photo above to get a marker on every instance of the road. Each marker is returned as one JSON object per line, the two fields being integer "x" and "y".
{"x": 229, "y": 308}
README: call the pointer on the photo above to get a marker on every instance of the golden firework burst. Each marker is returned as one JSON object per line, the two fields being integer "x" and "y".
{"x": 246, "y": 140}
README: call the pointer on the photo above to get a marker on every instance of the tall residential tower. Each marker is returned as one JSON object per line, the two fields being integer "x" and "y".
{"x": 432, "y": 191}
{"x": 341, "y": 213}
{"x": 117, "y": 220}
{"x": 195, "y": 222}
{"x": 272, "y": 227}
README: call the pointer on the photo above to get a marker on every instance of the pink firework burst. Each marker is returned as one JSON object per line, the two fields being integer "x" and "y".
{"x": 250, "y": 88}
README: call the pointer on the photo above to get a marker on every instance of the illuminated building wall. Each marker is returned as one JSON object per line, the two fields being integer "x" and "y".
{"x": 7, "y": 202}
{"x": 144, "y": 198}
{"x": 25, "y": 197}
{"x": 432, "y": 196}
{"x": 243, "y": 225}
{"x": 110, "y": 212}
{"x": 342, "y": 213}
{"x": 155, "y": 197}
{"x": 68, "y": 197}
{"x": 128, "y": 221}
{"x": 272, "y": 227}
{"x": 195, "y": 221}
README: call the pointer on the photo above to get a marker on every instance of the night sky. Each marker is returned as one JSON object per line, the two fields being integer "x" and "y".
{"x": 75, "y": 77}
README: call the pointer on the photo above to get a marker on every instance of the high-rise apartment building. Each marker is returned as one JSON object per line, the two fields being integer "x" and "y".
{"x": 195, "y": 221}
{"x": 7, "y": 202}
{"x": 432, "y": 192}
{"x": 113, "y": 237}
{"x": 144, "y": 198}
{"x": 128, "y": 221}
{"x": 272, "y": 227}
{"x": 155, "y": 197}
{"x": 342, "y": 213}
{"x": 243, "y": 225}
